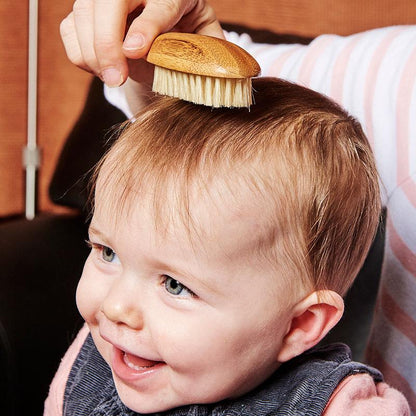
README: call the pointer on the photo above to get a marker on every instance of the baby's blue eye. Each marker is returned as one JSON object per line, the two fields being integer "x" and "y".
{"x": 108, "y": 254}
{"x": 176, "y": 288}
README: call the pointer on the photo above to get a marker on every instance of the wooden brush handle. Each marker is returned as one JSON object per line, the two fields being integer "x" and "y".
{"x": 202, "y": 55}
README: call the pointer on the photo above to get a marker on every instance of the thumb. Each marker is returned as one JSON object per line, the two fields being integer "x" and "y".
{"x": 160, "y": 16}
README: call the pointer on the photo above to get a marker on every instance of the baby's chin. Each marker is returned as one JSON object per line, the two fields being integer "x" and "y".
{"x": 147, "y": 403}
{"x": 166, "y": 399}
{"x": 162, "y": 399}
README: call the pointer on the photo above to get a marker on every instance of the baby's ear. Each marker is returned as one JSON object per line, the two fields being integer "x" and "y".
{"x": 312, "y": 319}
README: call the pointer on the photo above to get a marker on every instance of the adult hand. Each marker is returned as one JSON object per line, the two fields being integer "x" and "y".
{"x": 107, "y": 38}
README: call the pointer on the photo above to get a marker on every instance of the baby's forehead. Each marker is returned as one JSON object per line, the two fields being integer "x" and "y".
{"x": 223, "y": 209}
{"x": 199, "y": 199}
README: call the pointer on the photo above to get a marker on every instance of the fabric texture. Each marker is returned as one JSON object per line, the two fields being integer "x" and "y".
{"x": 54, "y": 402}
{"x": 303, "y": 386}
{"x": 356, "y": 395}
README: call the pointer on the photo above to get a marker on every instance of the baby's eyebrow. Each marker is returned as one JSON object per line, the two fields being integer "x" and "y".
{"x": 187, "y": 277}
{"x": 92, "y": 230}
{"x": 97, "y": 233}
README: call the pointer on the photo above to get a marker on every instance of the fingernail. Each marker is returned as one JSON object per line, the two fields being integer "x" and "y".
{"x": 112, "y": 77}
{"x": 134, "y": 42}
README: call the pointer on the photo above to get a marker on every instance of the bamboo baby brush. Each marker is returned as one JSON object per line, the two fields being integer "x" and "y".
{"x": 202, "y": 69}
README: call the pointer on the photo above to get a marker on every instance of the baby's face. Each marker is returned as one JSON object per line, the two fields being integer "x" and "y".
{"x": 181, "y": 320}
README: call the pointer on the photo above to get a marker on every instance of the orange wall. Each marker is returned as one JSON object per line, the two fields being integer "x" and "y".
{"x": 12, "y": 99}
{"x": 313, "y": 17}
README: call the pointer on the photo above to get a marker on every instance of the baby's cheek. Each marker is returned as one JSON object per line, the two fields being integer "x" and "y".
{"x": 88, "y": 294}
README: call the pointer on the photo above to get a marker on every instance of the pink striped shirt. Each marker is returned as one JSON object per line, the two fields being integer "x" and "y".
{"x": 373, "y": 75}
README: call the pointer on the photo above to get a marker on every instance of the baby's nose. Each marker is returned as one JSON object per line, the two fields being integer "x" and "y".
{"x": 121, "y": 306}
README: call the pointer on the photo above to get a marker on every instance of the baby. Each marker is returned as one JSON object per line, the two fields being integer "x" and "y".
{"x": 222, "y": 243}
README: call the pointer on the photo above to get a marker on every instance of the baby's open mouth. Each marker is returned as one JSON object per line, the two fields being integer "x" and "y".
{"x": 137, "y": 363}
{"x": 132, "y": 368}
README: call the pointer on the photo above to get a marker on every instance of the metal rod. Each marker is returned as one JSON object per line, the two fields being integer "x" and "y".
{"x": 31, "y": 153}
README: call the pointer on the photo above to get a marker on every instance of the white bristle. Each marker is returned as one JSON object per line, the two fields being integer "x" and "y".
{"x": 198, "y": 89}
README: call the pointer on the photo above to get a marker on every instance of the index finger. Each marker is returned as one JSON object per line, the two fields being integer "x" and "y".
{"x": 109, "y": 26}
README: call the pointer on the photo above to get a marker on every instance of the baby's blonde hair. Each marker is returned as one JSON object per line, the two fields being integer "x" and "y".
{"x": 302, "y": 156}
